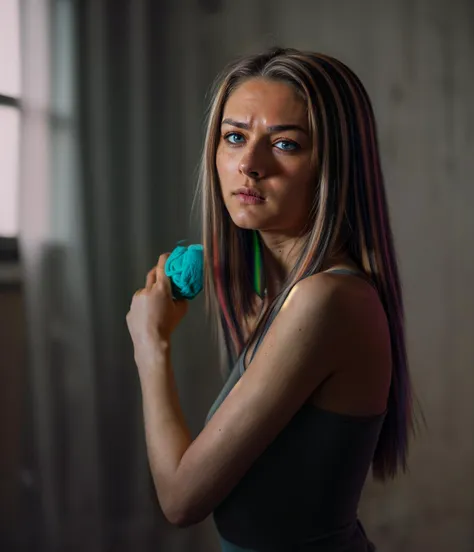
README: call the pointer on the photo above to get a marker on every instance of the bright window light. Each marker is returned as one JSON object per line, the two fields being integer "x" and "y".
{"x": 9, "y": 147}
{"x": 10, "y": 48}
{"x": 10, "y": 88}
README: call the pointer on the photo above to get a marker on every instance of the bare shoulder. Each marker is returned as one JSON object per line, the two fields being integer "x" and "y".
{"x": 349, "y": 313}
{"x": 337, "y": 297}
{"x": 336, "y": 320}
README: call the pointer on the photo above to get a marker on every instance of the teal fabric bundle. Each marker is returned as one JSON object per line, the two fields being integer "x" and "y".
{"x": 185, "y": 268}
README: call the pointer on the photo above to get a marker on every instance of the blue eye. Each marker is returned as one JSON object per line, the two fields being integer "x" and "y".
{"x": 231, "y": 138}
{"x": 287, "y": 145}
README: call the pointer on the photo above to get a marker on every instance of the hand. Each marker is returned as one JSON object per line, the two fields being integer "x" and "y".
{"x": 153, "y": 313}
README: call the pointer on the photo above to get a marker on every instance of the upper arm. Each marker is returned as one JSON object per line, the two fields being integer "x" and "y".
{"x": 295, "y": 356}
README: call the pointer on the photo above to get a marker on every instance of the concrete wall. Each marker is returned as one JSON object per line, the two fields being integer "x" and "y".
{"x": 415, "y": 58}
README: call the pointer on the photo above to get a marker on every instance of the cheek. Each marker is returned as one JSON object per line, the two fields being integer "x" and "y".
{"x": 299, "y": 179}
{"x": 226, "y": 165}
{"x": 296, "y": 193}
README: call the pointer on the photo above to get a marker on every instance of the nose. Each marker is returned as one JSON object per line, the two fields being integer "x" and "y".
{"x": 255, "y": 175}
{"x": 252, "y": 164}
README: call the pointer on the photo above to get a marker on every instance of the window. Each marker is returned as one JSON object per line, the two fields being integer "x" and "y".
{"x": 10, "y": 93}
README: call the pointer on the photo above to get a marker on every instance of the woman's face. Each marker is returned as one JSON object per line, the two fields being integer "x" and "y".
{"x": 265, "y": 149}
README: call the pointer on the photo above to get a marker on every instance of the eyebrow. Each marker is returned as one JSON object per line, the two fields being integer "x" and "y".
{"x": 273, "y": 128}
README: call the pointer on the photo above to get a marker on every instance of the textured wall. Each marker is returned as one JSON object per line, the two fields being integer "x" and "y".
{"x": 415, "y": 58}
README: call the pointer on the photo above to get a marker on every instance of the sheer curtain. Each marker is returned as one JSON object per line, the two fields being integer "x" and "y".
{"x": 110, "y": 139}
{"x": 61, "y": 342}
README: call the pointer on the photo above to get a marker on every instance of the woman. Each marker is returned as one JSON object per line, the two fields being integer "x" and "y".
{"x": 302, "y": 279}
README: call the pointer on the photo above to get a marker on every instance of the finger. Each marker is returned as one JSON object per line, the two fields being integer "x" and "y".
{"x": 160, "y": 267}
{"x": 162, "y": 261}
{"x": 164, "y": 283}
{"x": 150, "y": 278}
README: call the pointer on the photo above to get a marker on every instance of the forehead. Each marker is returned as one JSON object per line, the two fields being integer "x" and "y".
{"x": 271, "y": 102}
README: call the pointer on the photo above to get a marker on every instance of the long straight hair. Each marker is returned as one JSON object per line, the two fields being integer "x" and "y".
{"x": 349, "y": 208}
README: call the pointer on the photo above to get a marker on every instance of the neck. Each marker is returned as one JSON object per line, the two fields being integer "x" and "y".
{"x": 280, "y": 254}
{"x": 279, "y": 257}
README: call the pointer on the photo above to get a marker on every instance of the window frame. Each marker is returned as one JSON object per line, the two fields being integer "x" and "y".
{"x": 9, "y": 101}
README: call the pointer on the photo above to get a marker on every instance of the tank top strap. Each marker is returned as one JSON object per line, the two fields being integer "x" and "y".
{"x": 353, "y": 272}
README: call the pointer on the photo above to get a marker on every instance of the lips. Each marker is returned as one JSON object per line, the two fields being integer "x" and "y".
{"x": 249, "y": 192}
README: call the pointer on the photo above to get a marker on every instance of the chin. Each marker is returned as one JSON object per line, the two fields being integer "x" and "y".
{"x": 246, "y": 226}
{"x": 246, "y": 223}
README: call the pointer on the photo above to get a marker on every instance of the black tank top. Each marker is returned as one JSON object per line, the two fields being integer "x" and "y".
{"x": 302, "y": 493}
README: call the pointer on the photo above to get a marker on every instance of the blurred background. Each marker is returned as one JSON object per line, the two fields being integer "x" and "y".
{"x": 102, "y": 106}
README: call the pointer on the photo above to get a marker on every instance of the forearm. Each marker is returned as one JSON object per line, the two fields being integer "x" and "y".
{"x": 167, "y": 435}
